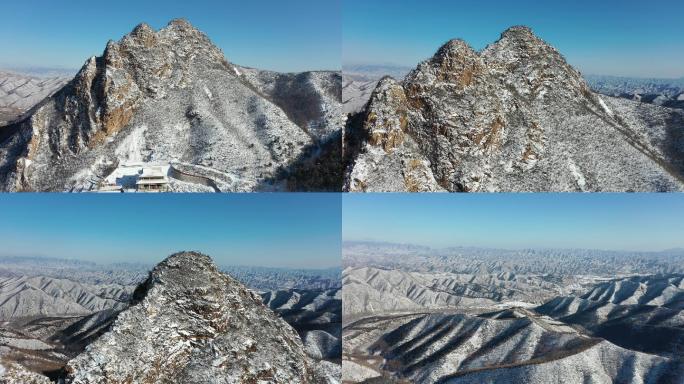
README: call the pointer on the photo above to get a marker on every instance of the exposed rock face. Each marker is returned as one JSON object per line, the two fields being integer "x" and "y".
{"x": 456, "y": 348}
{"x": 390, "y": 147}
{"x": 513, "y": 117}
{"x": 193, "y": 324}
{"x": 16, "y": 374}
{"x": 166, "y": 96}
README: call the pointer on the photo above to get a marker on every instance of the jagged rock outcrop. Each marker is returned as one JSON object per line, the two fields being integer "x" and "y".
{"x": 513, "y": 117}
{"x": 192, "y": 324}
{"x": 157, "y": 97}
{"x": 11, "y": 373}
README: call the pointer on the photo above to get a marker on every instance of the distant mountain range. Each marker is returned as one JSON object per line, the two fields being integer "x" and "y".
{"x": 257, "y": 278}
{"x": 469, "y": 315}
{"x": 19, "y": 93}
{"x": 664, "y": 92}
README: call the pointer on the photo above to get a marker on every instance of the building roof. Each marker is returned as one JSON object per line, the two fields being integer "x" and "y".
{"x": 152, "y": 181}
{"x": 152, "y": 172}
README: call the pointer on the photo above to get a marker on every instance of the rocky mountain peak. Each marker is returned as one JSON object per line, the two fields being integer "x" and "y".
{"x": 141, "y": 30}
{"x": 499, "y": 119}
{"x": 191, "y": 323}
{"x": 170, "y": 98}
{"x": 521, "y": 53}
{"x": 181, "y": 23}
{"x": 520, "y": 32}
{"x": 144, "y": 64}
{"x": 455, "y": 48}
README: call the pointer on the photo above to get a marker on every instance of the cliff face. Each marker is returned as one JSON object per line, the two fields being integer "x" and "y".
{"x": 192, "y": 324}
{"x": 513, "y": 117}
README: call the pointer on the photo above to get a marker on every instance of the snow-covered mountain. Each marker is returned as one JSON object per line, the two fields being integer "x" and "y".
{"x": 473, "y": 260}
{"x": 664, "y": 92}
{"x": 316, "y": 315}
{"x": 373, "y": 290}
{"x": 20, "y": 92}
{"x": 650, "y": 309}
{"x": 471, "y": 315}
{"x": 458, "y": 348}
{"x": 512, "y": 117}
{"x": 191, "y": 323}
{"x": 170, "y": 99}
{"x": 30, "y": 297}
{"x": 47, "y": 321}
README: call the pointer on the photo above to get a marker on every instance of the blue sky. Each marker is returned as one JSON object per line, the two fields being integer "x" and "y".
{"x": 512, "y": 221}
{"x": 269, "y": 34}
{"x": 277, "y": 230}
{"x": 608, "y": 37}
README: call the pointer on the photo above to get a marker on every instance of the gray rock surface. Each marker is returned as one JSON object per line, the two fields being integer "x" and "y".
{"x": 11, "y": 373}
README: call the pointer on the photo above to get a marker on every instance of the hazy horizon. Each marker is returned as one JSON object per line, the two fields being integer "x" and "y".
{"x": 260, "y": 230}
{"x": 409, "y": 68}
{"x": 377, "y": 241}
{"x": 613, "y": 37}
{"x": 619, "y": 222}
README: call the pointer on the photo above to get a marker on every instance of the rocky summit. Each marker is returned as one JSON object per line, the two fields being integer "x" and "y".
{"x": 170, "y": 99}
{"x": 192, "y": 324}
{"x": 512, "y": 117}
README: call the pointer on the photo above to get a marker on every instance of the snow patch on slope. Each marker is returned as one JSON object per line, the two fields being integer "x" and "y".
{"x": 605, "y": 106}
{"x": 131, "y": 147}
{"x": 579, "y": 178}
